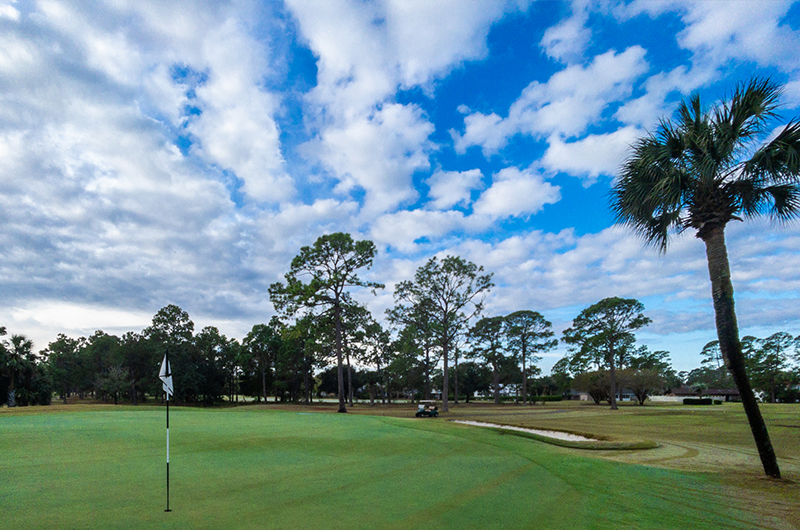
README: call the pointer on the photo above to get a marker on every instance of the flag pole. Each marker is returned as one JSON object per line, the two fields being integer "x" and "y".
{"x": 168, "y": 374}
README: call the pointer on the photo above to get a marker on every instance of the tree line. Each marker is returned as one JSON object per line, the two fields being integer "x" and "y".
{"x": 293, "y": 357}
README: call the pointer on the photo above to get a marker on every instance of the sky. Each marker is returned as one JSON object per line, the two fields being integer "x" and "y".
{"x": 171, "y": 152}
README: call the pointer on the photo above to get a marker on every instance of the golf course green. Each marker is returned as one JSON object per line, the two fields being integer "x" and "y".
{"x": 253, "y": 468}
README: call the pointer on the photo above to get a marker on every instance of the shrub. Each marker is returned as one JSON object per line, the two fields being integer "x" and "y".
{"x": 546, "y": 398}
{"x": 701, "y": 401}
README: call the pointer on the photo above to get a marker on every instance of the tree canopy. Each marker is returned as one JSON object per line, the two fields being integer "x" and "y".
{"x": 603, "y": 332}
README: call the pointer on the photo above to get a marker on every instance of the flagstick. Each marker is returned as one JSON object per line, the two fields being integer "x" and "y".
{"x": 169, "y": 374}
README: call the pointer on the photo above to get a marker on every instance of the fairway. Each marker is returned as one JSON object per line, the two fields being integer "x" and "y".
{"x": 251, "y": 468}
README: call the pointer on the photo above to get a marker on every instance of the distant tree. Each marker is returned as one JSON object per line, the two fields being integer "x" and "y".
{"x": 707, "y": 168}
{"x": 171, "y": 326}
{"x": 405, "y": 372}
{"x": 658, "y": 362}
{"x": 172, "y": 329}
{"x": 210, "y": 355}
{"x": 356, "y": 321}
{"x": 712, "y": 355}
{"x": 768, "y": 363}
{"x": 596, "y": 383}
{"x": 330, "y": 265}
{"x": 303, "y": 346}
{"x": 141, "y": 358}
{"x": 487, "y": 339}
{"x": 99, "y": 354}
{"x": 114, "y": 381}
{"x": 475, "y": 378}
{"x": 377, "y": 352}
{"x": 603, "y": 331}
{"x": 714, "y": 362}
{"x": 263, "y": 343}
{"x": 16, "y": 352}
{"x": 62, "y": 363}
{"x": 416, "y": 324}
{"x": 547, "y": 385}
{"x": 643, "y": 382}
{"x": 562, "y": 374}
{"x": 528, "y": 333}
{"x": 453, "y": 288}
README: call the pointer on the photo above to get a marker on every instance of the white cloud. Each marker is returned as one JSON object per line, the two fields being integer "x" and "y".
{"x": 72, "y": 318}
{"x": 567, "y": 40}
{"x": 489, "y": 131}
{"x": 516, "y": 193}
{"x": 366, "y": 52}
{"x": 592, "y": 156}
{"x": 717, "y": 32}
{"x": 379, "y": 153}
{"x": 18, "y": 57}
{"x": 427, "y": 48}
{"x": 282, "y": 233}
{"x": 734, "y": 29}
{"x": 565, "y": 106}
{"x": 236, "y": 128}
{"x": 645, "y": 110}
{"x": 453, "y": 188}
{"x": 403, "y": 229}
{"x": 7, "y": 10}
{"x": 791, "y": 94}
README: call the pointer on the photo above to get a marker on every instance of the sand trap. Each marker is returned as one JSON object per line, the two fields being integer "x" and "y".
{"x": 550, "y": 434}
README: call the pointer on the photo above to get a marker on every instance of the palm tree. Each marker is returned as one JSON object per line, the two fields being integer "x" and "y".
{"x": 702, "y": 171}
{"x": 17, "y": 353}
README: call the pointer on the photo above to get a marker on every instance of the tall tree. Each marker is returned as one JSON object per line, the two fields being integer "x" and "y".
{"x": 528, "y": 334}
{"x": 604, "y": 332}
{"x": 455, "y": 289}
{"x": 330, "y": 266}
{"x": 702, "y": 171}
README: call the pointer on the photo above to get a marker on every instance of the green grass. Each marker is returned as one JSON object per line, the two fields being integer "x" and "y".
{"x": 103, "y": 467}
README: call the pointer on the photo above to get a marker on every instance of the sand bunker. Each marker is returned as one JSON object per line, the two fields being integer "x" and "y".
{"x": 550, "y": 434}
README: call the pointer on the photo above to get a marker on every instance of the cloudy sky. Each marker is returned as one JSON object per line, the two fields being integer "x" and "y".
{"x": 157, "y": 152}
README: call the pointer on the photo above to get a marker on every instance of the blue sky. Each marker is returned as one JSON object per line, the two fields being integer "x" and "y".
{"x": 157, "y": 152}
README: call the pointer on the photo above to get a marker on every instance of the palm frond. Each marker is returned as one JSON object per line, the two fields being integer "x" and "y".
{"x": 785, "y": 202}
{"x": 779, "y": 160}
{"x": 691, "y": 172}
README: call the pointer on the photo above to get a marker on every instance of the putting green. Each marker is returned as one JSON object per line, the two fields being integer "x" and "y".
{"x": 256, "y": 469}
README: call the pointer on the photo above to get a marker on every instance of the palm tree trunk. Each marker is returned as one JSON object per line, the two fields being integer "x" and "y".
{"x": 731, "y": 348}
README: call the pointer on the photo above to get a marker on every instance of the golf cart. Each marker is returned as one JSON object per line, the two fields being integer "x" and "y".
{"x": 427, "y": 409}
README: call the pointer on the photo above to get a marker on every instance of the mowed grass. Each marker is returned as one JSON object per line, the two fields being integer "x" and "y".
{"x": 251, "y": 467}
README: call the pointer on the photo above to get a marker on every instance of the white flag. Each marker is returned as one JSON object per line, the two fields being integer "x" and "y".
{"x": 166, "y": 376}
